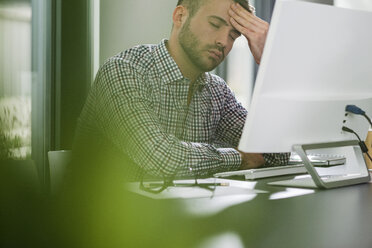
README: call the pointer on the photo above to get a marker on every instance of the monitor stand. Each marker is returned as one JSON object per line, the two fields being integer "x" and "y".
{"x": 324, "y": 182}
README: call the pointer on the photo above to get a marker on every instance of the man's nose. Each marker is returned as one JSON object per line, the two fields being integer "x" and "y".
{"x": 221, "y": 43}
{"x": 222, "y": 40}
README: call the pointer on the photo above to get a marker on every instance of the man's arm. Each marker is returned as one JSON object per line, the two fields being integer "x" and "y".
{"x": 129, "y": 123}
{"x": 251, "y": 160}
{"x": 230, "y": 130}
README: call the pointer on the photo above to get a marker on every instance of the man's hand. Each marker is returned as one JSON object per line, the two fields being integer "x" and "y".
{"x": 251, "y": 160}
{"x": 252, "y": 27}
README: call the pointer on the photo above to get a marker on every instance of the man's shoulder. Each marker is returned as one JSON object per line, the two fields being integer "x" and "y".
{"x": 139, "y": 58}
{"x": 218, "y": 84}
{"x": 215, "y": 80}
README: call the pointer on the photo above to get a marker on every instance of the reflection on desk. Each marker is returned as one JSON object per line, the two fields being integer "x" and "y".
{"x": 206, "y": 202}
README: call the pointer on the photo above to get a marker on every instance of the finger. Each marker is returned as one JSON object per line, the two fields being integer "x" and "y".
{"x": 248, "y": 33}
{"x": 248, "y": 25}
{"x": 237, "y": 26}
{"x": 257, "y": 19}
{"x": 241, "y": 11}
{"x": 242, "y": 21}
{"x": 243, "y": 14}
{"x": 248, "y": 22}
{"x": 242, "y": 29}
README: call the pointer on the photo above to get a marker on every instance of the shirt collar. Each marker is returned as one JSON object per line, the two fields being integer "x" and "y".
{"x": 168, "y": 68}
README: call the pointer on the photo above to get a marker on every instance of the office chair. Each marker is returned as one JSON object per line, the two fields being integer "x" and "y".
{"x": 58, "y": 161}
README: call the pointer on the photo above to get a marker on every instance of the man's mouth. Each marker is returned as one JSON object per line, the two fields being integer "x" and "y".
{"x": 216, "y": 54}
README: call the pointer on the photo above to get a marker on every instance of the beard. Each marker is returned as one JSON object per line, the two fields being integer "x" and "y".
{"x": 194, "y": 50}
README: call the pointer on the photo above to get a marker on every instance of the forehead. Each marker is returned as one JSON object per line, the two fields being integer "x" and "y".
{"x": 218, "y": 8}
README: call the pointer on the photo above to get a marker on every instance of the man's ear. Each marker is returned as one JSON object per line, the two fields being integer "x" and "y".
{"x": 180, "y": 15}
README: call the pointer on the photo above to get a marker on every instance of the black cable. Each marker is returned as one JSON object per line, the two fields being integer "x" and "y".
{"x": 349, "y": 130}
{"x": 358, "y": 111}
{"x": 362, "y": 144}
{"x": 368, "y": 119}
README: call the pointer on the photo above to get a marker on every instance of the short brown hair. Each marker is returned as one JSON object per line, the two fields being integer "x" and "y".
{"x": 194, "y": 5}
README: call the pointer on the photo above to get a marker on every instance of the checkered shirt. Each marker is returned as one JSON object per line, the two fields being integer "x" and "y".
{"x": 138, "y": 103}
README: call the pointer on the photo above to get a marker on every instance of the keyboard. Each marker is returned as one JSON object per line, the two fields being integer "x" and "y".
{"x": 265, "y": 172}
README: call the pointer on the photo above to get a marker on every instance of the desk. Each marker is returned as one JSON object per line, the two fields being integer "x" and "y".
{"x": 100, "y": 213}
{"x": 337, "y": 218}
{"x": 103, "y": 214}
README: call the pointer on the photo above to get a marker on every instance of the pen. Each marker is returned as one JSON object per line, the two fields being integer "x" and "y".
{"x": 187, "y": 184}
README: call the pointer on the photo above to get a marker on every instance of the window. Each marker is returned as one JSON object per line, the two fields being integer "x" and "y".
{"x": 26, "y": 80}
{"x": 15, "y": 80}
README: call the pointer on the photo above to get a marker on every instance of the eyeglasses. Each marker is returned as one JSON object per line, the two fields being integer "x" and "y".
{"x": 155, "y": 188}
{"x": 158, "y": 187}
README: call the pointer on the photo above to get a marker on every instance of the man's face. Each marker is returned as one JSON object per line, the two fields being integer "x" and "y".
{"x": 208, "y": 36}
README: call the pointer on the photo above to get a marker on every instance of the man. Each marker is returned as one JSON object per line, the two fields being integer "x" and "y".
{"x": 158, "y": 106}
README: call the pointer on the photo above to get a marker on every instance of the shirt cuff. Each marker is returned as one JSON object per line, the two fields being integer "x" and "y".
{"x": 231, "y": 159}
{"x": 276, "y": 159}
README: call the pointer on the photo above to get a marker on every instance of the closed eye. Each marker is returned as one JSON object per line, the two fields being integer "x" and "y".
{"x": 214, "y": 25}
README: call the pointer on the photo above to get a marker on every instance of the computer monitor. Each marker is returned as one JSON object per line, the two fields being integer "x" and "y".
{"x": 317, "y": 59}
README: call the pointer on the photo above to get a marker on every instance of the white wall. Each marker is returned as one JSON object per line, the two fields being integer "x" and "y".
{"x": 126, "y": 23}
{"x": 330, "y": 2}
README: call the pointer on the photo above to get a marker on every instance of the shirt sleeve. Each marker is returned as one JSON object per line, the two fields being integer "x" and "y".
{"x": 232, "y": 120}
{"x": 231, "y": 127}
{"x": 276, "y": 159}
{"x": 128, "y": 121}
